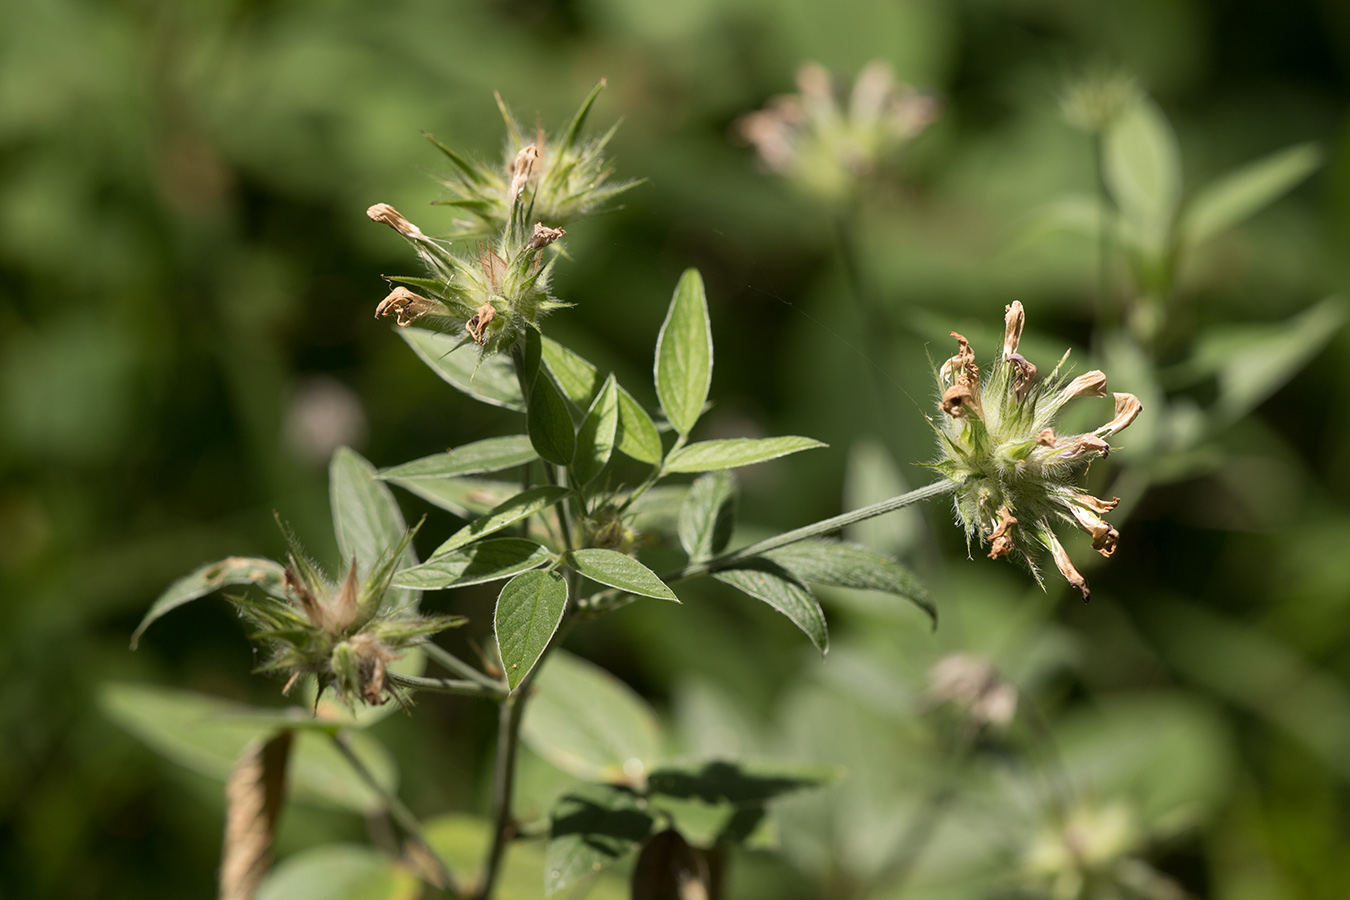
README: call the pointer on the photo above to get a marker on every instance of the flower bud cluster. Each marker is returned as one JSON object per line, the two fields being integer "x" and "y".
{"x": 825, "y": 147}
{"x": 1014, "y": 473}
{"x": 344, "y": 634}
{"x": 490, "y": 296}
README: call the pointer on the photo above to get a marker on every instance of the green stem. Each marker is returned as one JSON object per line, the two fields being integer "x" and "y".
{"x": 400, "y": 814}
{"x": 824, "y": 526}
{"x": 455, "y": 664}
{"x": 448, "y": 686}
{"x": 657, "y": 471}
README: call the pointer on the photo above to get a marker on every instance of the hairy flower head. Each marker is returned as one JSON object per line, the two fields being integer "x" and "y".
{"x": 1014, "y": 473}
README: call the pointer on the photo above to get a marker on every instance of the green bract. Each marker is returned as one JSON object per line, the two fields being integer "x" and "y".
{"x": 1014, "y": 474}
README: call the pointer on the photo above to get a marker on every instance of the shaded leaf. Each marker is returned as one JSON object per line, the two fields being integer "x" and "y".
{"x": 776, "y": 586}
{"x": 490, "y": 455}
{"x": 589, "y": 723}
{"x": 339, "y": 872}
{"x": 684, "y": 354}
{"x": 612, "y": 568}
{"x": 549, "y": 422}
{"x": 1142, "y": 168}
{"x": 529, "y": 610}
{"x": 595, "y": 437}
{"x": 591, "y": 827}
{"x": 367, "y": 519}
{"x": 739, "y": 782}
{"x": 210, "y": 578}
{"x": 1241, "y": 193}
{"x": 708, "y": 515}
{"x": 638, "y": 437}
{"x": 850, "y": 566}
{"x": 491, "y": 380}
{"x": 466, "y": 497}
{"x": 522, "y": 505}
{"x": 708, "y": 456}
{"x": 484, "y": 561}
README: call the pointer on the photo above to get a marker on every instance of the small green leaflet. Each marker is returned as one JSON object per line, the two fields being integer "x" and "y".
{"x": 684, "y": 354}
{"x": 529, "y": 610}
{"x": 708, "y": 456}
{"x": 521, "y": 506}
{"x": 609, "y": 567}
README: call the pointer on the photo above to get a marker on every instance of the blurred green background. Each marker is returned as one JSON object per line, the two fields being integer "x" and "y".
{"x": 187, "y": 280}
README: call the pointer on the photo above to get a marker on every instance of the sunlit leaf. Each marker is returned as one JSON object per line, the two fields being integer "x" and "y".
{"x": 465, "y": 496}
{"x": 484, "y": 561}
{"x": 509, "y": 512}
{"x": 1241, "y": 193}
{"x": 847, "y": 565}
{"x": 210, "y": 578}
{"x": 708, "y": 515}
{"x": 638, "y": 437}
{"x": 595, "y": 437}
{"x": 366, "y": 517}
{"x": 339, "y": 872}
{"x": 776, "y": 586}
{"x": 490, "y": 455}
{"x": 684, "y": 354}
{"x": 708, "y": 456}
{"x": 609, "y": 567}
{"x": 550, "y": 424}
{"x": 491, "y": 380}
{"x": 1142, "y": 168}
{"x": 589, "y": 723}
{"x": 529, "y": 609}
{"x": 577, "y": 378}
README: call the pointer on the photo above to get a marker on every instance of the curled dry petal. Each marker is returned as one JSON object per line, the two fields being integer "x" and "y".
{"x": 405, "y": 305}
{"x": 1091, "y": 384}
{"x": 1096, "y": 504}
{"x": 1046, "y": 438}
{"x": 521, "y": 168}
{"x": 543, "y": 236}
{"x": 478, "y": 322}
{"x": 1104, "y": 536}
{"x": 958, "y": 400}
{"x": 1081, "y": 446}
{"x": 1000, "y": 540}
{"x": 961, "y": 368}
{"x": 1128, "y": 408}
{"x": 386, "y": 214}
{"x": 1024, "y": 373}
{"x": 1014, "y": 319}
{"x": 1066, "y": 567}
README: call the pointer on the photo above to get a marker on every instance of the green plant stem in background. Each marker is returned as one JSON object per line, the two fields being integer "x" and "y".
{"x": 400, "y": 814}
{"x": 824, "y": 526}
{"x": 448, "y": 686}
{"x": 455, "y": 664}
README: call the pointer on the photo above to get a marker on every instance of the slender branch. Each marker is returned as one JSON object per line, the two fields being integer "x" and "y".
{"x": 824, "y": 526}
{"x": 400, "y": 813}
{"x": 448, "y": 686}
{"x": 455, "y": 664}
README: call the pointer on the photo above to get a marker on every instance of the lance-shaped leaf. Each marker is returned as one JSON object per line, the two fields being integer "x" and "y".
{"x": 612, "y": 568}
{"x": 768, "y": 581}
{"x": 576, "y": 377}
{"x": 465, "y": 496}
{"x": 492, "y": 380}
{"x": 708, "y": 515}
{"x": 732, "y": 453}
{"x": 684, "y": 354}
{"x": 1142, "y": 168}
{"x": 595, "y": 438}
{"x": 589, "y": 723}
{"x": 638, "y": 437}
{"x": 850, "y": 566}
{"x": 591, "y": 827}
{"x": 549, "y": 423}
{"x": 210, "y": 578}
{"x": 509, "y": 512}
{"x": 489, "y": 455}
{"x": 529, "y": 610}
{"x": 368, "y": 522}
{"x": 489, "y": 560}
{"x": 1238, "y": 194}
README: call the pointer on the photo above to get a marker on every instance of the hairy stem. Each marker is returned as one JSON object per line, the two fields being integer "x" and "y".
{"x": 455, "y": 664}
{"x": 448, "y": 686}
{"x": 824, "y": 526}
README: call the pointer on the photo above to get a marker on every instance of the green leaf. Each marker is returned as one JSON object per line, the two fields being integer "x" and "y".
{"x": 210, "y": 578}
{"x": 491, "y": 380}
{"x": 367, "y": 519}
{"x": 1142, "y": 168}
{"x": 684, "y": 354}
{"x": 490, "y": 455}
{"x": 850, "y": 566}
{"x": 466, "y": 497}
{"x": 592, "y": 827}
{"x": 589, "y": 723}
{"x": 471, "y": 171}
{"x": 739, "y": 782}
{"x": 595, "y": 438}
{"x": 1253, "y": 361}
{"x": 708, "y": 456}
{"x": 207, "y": 735}
{"x": 569, "y": 137}
{"x": 1241, "y": 193}
{"x": 509, "y": 512}
{"x": 529, "y": 610}
{"x": 549, "y": 422}
{"x": 766, "y": 580}
{"x": 708, "y": 515}
{"x": 613, "y": 568}
{"x": 577, "y": 378}
{"x": 489, "y": 560}
{"x": 638, "y": 437}
{"x": 338, "y": 872}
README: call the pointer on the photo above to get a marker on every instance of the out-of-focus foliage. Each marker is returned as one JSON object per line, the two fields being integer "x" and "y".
{"x": 186, "y": 287}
